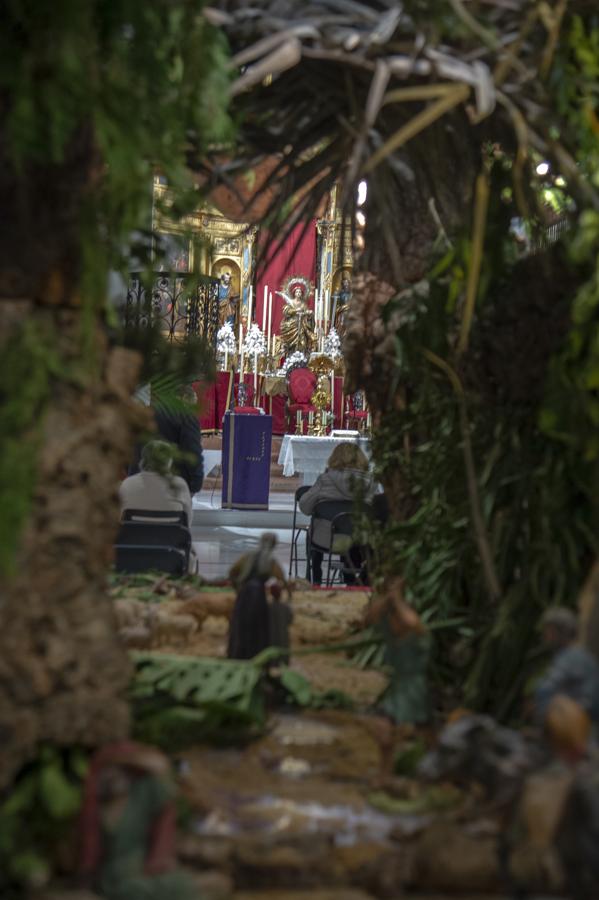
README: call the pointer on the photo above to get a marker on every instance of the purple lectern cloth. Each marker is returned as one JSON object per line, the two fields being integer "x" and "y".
{"x": 247, "y": 443}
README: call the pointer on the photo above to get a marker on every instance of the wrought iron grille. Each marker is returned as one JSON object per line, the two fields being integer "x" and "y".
{"x": 182, "y": 306}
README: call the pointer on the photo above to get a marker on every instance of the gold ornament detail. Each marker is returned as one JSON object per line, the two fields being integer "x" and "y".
{"x": 321, "y": 399}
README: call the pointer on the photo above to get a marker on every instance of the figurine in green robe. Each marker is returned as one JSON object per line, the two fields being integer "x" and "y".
{"x": 128, "y": 827}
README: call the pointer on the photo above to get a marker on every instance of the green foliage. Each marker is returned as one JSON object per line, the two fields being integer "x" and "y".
{"x": 436, "y": 799}
{"x": 184, "y": 699}
{"x": 573, "y": 84}
{"x": 408, "y": 759}
{"x": 37, "y": 816}
{"x": 110, "y": 90}
{"x": 147, "y": 80}
{"x": 300, "y": 692}
{"x": 571, "y": 413}
{"x": 537, "y": 496}
{"x": 179, "y": 700}
{"x": 28, "y": 365}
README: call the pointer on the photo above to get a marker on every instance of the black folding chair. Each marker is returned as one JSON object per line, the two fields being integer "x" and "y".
{"x": 134, "y": 558}
{"x": 342, "y": 528}
{"x": 157, "y": 516}
{"x": 296, "y": 532}
{"x": 325, "y": 512}
{"x": 150, "y": 544}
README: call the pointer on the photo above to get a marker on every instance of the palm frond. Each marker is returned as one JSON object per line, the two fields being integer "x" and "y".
{"x": 340, "y": 89}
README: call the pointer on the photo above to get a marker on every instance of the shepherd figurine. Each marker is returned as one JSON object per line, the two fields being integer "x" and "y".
{"x": 250, "y": 630}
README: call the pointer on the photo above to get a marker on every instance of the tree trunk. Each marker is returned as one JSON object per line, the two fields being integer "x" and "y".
{"x": 63, "y": 673}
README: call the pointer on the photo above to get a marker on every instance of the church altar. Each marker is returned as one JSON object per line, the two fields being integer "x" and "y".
{"x": 214, "y": 400}
{"x": 309, "y": 455}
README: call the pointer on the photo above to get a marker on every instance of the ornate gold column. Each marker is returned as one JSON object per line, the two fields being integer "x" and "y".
{"x": 336, "y": 251}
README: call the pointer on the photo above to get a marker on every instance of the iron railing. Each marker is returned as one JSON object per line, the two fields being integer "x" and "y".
{"x": 183, "y": 306}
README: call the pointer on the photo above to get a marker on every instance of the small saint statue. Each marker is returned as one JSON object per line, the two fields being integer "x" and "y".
{"x": 227, "y": 303}
{"x": 297, "y": 324}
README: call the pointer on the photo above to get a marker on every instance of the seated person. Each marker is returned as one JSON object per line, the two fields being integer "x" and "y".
{"x": 347, "y": 468}
{"x": 155, "y": 487}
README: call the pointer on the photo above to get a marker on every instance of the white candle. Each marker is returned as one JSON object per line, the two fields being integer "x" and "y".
{"x": 226, "y": 360}
{"x": 327, "y": 300}
{"x": 255, "y": 379}
{"x": 316, "y": 307}
{"x": 269, "y": 321}
{"x": 264, "y": 305}
{"x": 250, "y": 307}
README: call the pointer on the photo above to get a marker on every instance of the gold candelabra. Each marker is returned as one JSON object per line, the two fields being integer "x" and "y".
{"x": 320, "y": 399}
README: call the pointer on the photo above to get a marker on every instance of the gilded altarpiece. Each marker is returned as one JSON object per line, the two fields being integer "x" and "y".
{"x": 210, "y": 244}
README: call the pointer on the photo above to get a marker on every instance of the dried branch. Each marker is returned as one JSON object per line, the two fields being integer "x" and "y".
{"x": 417, "y": 124}
{"x": 481, "y": 206}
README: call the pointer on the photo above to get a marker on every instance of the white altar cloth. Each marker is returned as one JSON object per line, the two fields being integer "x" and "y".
{"x": 309, "y": 455}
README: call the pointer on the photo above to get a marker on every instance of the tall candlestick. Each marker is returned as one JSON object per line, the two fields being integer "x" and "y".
{"x": 250, "y": 306}
{"x": 269, "y": 322}
{"x": 264, "y": 305}
{"x": 316, "y": 307}
{"x": 226, "y": 360}
{"x": 255, "y": 379}
{"x": 327, "y": 300}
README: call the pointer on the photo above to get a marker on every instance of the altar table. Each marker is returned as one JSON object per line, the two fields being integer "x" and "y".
{"x": 309, "y": 455}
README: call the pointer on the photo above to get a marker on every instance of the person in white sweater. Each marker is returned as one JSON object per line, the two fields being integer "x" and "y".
{"x": 155, "y": 487}
{"x": 347, "y": 467}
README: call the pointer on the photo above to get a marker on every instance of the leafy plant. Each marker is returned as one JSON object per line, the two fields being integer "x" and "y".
{"x": 37, "y": 816}
{"x": 535, "y": 488}
{"x": 299, "y": 691}
{"x": 178, "y": 699}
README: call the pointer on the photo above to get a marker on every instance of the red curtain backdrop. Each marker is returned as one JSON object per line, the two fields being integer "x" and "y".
{"x": 213, "y": 403}
{"x": 297, "y": 256}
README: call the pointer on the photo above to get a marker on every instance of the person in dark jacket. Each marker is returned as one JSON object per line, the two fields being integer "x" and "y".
{"x": 183, "y": 430}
